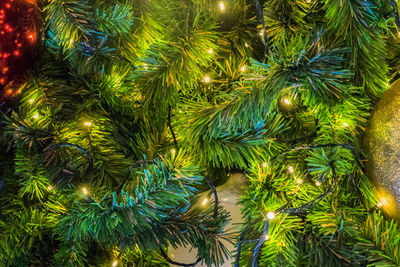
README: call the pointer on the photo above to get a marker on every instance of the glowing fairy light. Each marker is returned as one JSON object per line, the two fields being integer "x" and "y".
{"x": 87, "y": 123}
{"x": 265, "y": 164}
{"x": 145, "y": 66}
{"x": 243, "y": 69}
{"x": 266, "y": 237}
{"x": 210, "y": 51}
{"x": 207, "y": 79}
{"x": 270, "y": 215}
{"x": 49, "y": 188}
{"x": 114, "y": 264}
{"x": 345, "y": 124}
{"x": 246, "y": 45}
{"x": 299, "y": 181}
{"x": 317, "y": 183}
{"x": 291, "y": 169}
{"x": 204, "y": 202}
{"x": 36, "y": 116}
{"x": 379, "y": 205}
{"x": 287, "y": 101}
{"x": 31, "y": 101}
{"x": 222, "y": 6}
{"x": 85, "y": 191}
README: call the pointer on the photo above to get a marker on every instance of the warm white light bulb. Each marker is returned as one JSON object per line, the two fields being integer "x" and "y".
{"x": 207, "y": 79}
{"x": 266, "y": 237}
{"x": 210, "y": 51}
{"x": 299, "y": 181}
{"x": 114, "y": 264}
{"x": 345, "y": 124}
{"x": 261, "y": 33}
{"x": 87, "y": 123}
{"x": 204, "y": 202}
{"x": 145, "y": 66}
{"x": 287, "y": 101}
{"x": 31, "y": 100}
{"x": 84, "y": 190}
{"x": 243, "y": 69}
{"x": 222, "y": 6}
{"x": 36, "y": 116}
{"x": 270, "y": 215}
{"x": 379, "y": 204}
{"x": 246, "y": 45}
{"x": 173, "y": 151}
{"x": 265, "y": 164}
{"x": 49, "y": 188}
{"x": 291, "y": 169}
{"x": 317, "y": 183}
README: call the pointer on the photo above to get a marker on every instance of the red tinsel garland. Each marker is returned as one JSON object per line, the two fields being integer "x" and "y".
{"x": 19, "y": 39}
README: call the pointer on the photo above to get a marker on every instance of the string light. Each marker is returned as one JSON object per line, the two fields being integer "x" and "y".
{"x": 261, "y": 33}
{"x": 317, "y": 183}
{"x": 204, "y": 202}
{"x": 36, "y": 116}
{"x": 291, "y": 169}
{"x": 299, "y": 181}
{"x": 345, "y": 124}
{"x": 87, "y": 123}
{"x": 270, "y": 215}
{"x": 145, "y": 66}
{"x": 383, "y": 201}
{"x": 114, "y": 263}
{"x": 379, "y": 205}
{"x": 49, "y": 188}
{"x": 246, "y": 45}
{"x": 210, "y": 51}
{"x": 243, "y": 68}
{"x": 173, "y": 151}
{"x": 207, "y": 79}
{"x": 84, "y": 190}
{"x": 266, "y": 237}
{"x": 222, "y": 6}
{"x": 31, "y": 100}
{"x": 286, "y": 101}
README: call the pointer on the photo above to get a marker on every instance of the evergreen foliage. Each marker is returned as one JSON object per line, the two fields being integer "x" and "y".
{"x": 138, "y": 101}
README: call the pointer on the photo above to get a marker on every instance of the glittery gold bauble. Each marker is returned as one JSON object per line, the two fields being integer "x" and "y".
{"x": 382, "y": 146}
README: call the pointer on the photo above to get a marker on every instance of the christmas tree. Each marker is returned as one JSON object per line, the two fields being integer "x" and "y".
{"x": 132, "y": 109}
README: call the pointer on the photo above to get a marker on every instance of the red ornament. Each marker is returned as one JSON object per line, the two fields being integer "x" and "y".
{"x": 19, "y": 31}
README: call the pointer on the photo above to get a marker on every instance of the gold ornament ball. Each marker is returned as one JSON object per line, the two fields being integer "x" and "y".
{"x": 382, "y": 147}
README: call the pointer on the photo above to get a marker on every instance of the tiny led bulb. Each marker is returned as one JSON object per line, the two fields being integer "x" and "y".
{"x": 246, "y": 45}
{"x": 84, "y": 190}
{"x": 291, "y": 169}
{"x": 317, "y": 183}
{"x": 36, "y": 116}
{"x": 204, "y": 202}
{"x": 266, "y": 237}
{"x": 145, "y": 66}
{"x": 207, "y": 79}
{"x": 114, "y": 264}
{"x": 379, "y": 204}
{"x": 299, "y": 181}
{"x": 345, "y": 124}
{"x": 243, "y": 69}
{"x": 31, "y": 100}
{"x": 49, "y": 188}
{"x": 265, "y": 164}
{"x": 87, "y": 123}
{"x": 173, "y": 151}
{"x": 210, "y": 51}
{"x": 270, "y": 215}
{"x": 287, "y": 101}
{"x": 261, "y": 33}
{"x": 222, "y": 6}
